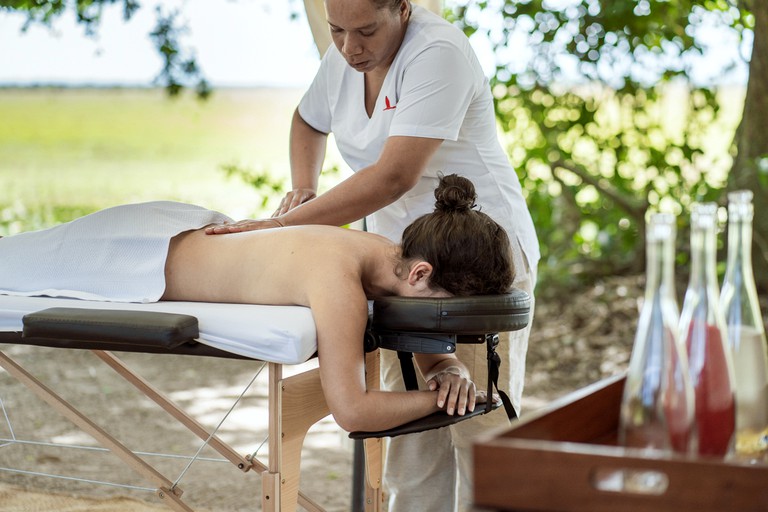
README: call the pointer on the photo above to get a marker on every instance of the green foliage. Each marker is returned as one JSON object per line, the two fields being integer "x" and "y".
{"x": 261, "y": 181}
{"x": 17, "y": 217}
{"x": 88, "y": 12}
{"x": 179, "y": 65}
{"x": 603, "y": 121}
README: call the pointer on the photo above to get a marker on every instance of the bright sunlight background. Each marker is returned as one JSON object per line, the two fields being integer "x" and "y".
{"x": 243, "y": 43}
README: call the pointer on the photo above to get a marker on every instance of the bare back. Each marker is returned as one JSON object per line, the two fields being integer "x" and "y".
{"x": 274, "y": 266}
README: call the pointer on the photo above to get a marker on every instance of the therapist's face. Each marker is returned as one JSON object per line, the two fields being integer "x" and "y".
{"x": 367, "y": 36}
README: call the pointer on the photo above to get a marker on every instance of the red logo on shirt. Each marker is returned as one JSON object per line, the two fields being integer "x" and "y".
{"x": 388, "y": 106}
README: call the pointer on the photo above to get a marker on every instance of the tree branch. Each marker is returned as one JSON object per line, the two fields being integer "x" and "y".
{"x": 635, "y": 209}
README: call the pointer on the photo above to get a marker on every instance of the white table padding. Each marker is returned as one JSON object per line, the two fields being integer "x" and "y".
{"x": 279, "y": 334}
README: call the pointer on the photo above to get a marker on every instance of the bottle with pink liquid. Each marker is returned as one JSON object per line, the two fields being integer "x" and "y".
{"x": 657, "y": 408}
{"x": 703, "y": 328}
{"x": 746, "y": 333}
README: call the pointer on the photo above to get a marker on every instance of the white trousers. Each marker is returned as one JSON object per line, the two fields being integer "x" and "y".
{"x": 431, "y": 471}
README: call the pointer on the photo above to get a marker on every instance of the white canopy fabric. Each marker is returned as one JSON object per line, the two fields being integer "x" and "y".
{"x": 319, "y": 26}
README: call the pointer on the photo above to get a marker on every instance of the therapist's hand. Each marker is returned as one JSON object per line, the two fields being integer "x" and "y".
{"x": 293, "y": 199}
{"x": 243, "y": 225}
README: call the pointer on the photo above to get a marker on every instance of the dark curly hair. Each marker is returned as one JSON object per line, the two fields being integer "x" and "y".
{"x": 469, "y": 252}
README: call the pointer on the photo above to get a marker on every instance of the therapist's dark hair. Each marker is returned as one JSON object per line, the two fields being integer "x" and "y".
{"x": 393, "y": 5}
{"x": 469, "y": 252}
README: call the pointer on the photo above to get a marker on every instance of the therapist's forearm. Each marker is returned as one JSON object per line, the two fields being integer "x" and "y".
{"x": 398, "y": 170}
{"x": 307, "y": 153}
{"x": 361, "y": 194}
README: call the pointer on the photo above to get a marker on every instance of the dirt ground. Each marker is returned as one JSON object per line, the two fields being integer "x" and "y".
{"x": 577, "y": 339}
{"x": 581, "y": 337}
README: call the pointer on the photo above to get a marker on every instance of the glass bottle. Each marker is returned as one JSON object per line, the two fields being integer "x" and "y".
{"x": 746, "y": 333}
{"x": 703, "y": 328}
{"x": 657, "y": 408}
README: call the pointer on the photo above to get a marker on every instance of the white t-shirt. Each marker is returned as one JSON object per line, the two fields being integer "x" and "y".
{"x": 435, "y": 88}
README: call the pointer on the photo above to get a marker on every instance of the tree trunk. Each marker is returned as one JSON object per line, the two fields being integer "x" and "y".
{"x": 750, "y": 165}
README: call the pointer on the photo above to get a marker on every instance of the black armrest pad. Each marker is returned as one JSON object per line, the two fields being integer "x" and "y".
{"x": 148, "y": 328}
{"x": 478, "y": 314}
{"x": 435, "y": 420}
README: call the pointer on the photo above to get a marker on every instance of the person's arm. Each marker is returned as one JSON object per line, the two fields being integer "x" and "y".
{"x": 340, "y": 319}
{"x": 307, "y": 153}
{"x": 398, "y": 169}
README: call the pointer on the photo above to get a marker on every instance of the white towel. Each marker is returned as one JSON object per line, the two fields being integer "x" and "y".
{"x": 116, "y": 255}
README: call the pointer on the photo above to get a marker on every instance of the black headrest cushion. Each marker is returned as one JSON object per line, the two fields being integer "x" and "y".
{"x": 477, "y": 314}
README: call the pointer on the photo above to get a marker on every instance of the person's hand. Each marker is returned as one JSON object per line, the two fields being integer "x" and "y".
{"x": 293, "y": 199}
{"x": 455, "y": 390}
{"x": 482, "y": 398}
{"x": 243, "y": 225}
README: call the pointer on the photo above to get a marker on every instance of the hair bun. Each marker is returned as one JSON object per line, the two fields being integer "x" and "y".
{"x": 454, "y": 193}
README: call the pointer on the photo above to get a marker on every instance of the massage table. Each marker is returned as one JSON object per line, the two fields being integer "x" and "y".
{"x": 276, "y": 335}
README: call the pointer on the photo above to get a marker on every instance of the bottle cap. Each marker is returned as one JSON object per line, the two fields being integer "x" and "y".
{"x": 661, "y": 226}
{"x": 740, "y": 205}
{"x": 703, "y": 215}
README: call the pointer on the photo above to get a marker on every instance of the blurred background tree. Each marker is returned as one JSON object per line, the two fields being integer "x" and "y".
{"x": 604, "y": 114}
{"x": 606, "y": 118}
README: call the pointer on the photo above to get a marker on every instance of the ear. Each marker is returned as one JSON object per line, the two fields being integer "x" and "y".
{"x": 405, "y": 9}
{"x": 419, "y": 274}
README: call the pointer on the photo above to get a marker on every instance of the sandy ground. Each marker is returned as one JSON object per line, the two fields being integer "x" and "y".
{"x": 206, "y": 387}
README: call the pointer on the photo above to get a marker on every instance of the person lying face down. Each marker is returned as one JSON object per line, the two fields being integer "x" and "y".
{"x": 455, "y": 250}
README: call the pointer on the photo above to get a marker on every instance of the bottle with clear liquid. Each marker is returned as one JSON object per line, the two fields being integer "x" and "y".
{"x": 746, "y": 333}
{"x": 702, "y": 326}
{"x": 657, "y": 408}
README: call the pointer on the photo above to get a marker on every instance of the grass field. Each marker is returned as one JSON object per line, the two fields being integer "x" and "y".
{"x": 65, "y": 152}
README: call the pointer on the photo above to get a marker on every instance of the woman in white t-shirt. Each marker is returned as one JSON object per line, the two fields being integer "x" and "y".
{"x": 406, "y": 99}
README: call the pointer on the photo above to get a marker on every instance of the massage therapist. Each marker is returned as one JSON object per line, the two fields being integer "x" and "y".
{"x": 404, "y": 95}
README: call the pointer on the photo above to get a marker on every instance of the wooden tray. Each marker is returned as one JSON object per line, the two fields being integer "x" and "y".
{"x": 565, "y": 458}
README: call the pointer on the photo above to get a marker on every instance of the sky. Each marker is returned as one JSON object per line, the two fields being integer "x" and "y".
{"x": 242, "y": 43}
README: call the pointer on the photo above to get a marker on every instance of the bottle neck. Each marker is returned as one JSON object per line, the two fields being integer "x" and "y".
{"x": 739, "y": 246}
{"x": 703, "y": 257}
{"x": 740, "y": 303}
{"x": 660, "y": 271}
